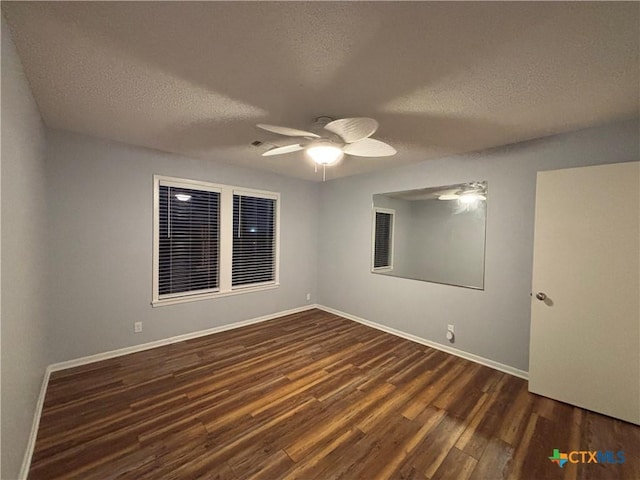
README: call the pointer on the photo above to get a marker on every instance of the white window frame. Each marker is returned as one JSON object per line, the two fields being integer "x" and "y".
{"x": 391, "y": 212}
{"x": 226, "y": 241}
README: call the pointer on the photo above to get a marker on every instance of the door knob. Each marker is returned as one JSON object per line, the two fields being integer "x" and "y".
{"x": 541, "y": 296}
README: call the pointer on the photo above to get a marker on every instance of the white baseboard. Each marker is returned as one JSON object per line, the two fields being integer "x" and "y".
{"x": 31, "y": 443}
{"x": 453, "y": 351}
{"x": 167, "y": 341}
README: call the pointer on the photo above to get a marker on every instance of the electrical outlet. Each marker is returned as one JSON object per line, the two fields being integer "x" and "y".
{"x": 308, "y": 296}
{"x": 451, "y": 336}
{"x": 137, "y": 327}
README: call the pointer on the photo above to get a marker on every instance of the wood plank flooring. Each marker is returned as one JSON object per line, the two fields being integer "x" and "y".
{"x": 312, "y": 396}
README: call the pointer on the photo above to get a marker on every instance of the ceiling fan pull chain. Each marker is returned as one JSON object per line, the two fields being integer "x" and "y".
{"x": 324, "y": 172}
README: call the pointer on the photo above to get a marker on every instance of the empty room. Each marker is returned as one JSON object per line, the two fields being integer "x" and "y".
{"x": 320, "y": 240}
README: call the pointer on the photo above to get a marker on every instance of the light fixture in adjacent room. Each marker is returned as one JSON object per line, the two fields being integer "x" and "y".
{"x": 183, "y": 197}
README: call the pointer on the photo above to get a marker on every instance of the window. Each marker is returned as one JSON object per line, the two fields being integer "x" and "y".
{"x": 254, "y": 234}
{"x": 212, "y": 240}
{"x": 382, "y": 255}
{"x": 189, "y": 240}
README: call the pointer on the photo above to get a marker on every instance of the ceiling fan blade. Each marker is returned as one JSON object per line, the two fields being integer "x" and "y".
{"x": 291, "y": 132}
{"x": 369, "y": 147}
{"x": 449, "y": 196}
{"x": 353, "y": 129}
{"x": 280, "y": 150}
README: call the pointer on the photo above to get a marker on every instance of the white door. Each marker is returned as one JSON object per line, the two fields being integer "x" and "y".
{"x": 585, "y": 335}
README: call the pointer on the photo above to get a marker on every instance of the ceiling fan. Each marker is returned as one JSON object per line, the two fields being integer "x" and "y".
{"x": 468, "y": 193}
{"x": 333, "y": 139}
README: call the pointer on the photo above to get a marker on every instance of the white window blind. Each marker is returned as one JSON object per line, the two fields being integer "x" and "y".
{"x": 383, "y": 240}
{"x": 189, "y": 240}
{"x": 254, "y": 236}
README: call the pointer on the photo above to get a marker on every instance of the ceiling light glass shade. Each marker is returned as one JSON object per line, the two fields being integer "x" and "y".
{"x": 183, "y": 197}
{"x": 452, "y": 196}
{"x": 325, "y": 154}
{"x": 471, "y": 197}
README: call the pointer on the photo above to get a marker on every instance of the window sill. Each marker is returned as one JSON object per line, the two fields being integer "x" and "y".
{"x": 209, "y": 296}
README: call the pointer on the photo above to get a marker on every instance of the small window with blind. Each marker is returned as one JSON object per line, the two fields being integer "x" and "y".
{"x": 382, "y": 254}
{"x": 254, "y": 235}
{"x": 189, "y": 240}
{"x": 212, "y": 240}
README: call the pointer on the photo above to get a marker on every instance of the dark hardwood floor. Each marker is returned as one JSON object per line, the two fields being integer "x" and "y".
{"x": 312, "y": 396}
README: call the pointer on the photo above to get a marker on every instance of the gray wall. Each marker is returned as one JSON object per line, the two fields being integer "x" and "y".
{"x": 493, "y": 323}
{"x": 23, "y": 256}
{"x": 100, "y": 212}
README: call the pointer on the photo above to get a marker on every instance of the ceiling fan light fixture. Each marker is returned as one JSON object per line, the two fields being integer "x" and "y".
{"x": 324, "y": 153}
{"x": 471, "y": 197}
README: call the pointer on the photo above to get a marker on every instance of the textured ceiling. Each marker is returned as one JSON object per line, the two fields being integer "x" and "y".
{"x": 445, "y": 77}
